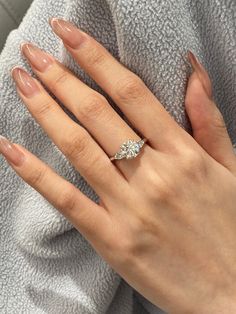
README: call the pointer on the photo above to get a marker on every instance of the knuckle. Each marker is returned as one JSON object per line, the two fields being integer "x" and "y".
{"x": 93, "y": 106}
{"x": 133, "y": 242}
{"x": 124, "y": 249}
{"x": 127, "y": 249}
{"x": 95, "y": 57}
{"x": 66, "y": 199}
{"x": 36, "y": 177}
{"x": 43, "y": 109}
{"x": 95, "y": 163}
{"x": 75, "y": 146}
{"x": 60, "y": 79}
{"x": 160, "y": 189}
{"x": 131, "y": 87}
{"x": 194, "y": 163}
{"x": 164, "y": 192}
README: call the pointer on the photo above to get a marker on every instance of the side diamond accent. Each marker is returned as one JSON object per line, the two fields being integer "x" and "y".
{"x": 130, "y": 149}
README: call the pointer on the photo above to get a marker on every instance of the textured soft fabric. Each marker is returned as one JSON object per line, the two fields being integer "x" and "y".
{"x": 11, "y": 13}
{"x": 46, "y": 266}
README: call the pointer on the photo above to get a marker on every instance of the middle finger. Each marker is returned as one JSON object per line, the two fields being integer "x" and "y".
{"x": 127, "y": 89}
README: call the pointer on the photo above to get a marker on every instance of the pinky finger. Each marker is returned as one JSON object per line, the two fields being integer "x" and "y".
{"x": 88, "y": 217}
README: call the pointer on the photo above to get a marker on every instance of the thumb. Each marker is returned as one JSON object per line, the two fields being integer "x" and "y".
{"x": 208, "y": 125}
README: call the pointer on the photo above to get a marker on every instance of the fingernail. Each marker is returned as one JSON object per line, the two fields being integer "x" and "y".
{"x": 70, "y": 34}
{"x": 39, "y": 59}
{"x": 194, "y": 61}
{"x": 24, "y": 82}
{"x": 201, "y": 72}
{"x": 11, "y": 152}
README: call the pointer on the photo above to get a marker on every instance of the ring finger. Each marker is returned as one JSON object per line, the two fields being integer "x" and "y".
{"x": 90, "y": 107}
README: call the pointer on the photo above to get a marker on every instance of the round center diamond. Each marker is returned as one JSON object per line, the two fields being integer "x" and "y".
{"x": 130, "y": 149}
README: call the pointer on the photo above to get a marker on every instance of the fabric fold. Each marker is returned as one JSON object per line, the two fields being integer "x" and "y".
{"x": 46, "y": 266}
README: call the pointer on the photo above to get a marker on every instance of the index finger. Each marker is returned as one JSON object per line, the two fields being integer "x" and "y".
{"x": 82, "y": 212}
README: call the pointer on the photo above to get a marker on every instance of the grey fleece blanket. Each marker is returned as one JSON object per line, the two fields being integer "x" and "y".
{"x": 46, "y": 266}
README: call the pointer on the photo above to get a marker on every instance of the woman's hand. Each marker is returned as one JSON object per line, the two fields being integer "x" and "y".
{"x": 167, "y": 219}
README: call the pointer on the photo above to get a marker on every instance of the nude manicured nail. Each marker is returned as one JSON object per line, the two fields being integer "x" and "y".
{"x": 194, "y": 61}
{"x": 201, "y": 72}
{"x": 39, "y": 59}
{"x": 11, "y": 152}
{"x": 24, "y": 82}
{"x": 69, "y": 33}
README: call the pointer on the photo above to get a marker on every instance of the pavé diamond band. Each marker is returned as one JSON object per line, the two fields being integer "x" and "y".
{"x": 129, "y": 150}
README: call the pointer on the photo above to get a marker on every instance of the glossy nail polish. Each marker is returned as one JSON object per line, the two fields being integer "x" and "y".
{"x": 39, "y": 59}
{"x": 25, "y": 82}
{"x": 70, "y": 34}
{"x": 11, "y": 152}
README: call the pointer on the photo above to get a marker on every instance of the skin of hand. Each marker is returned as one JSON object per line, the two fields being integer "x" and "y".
{"x": 167, "y": 218}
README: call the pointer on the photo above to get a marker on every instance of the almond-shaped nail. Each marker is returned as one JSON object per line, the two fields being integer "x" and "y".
{"x": 11, "y": 152}
{"x": 39, "y": 59}
{"x": 24, "y": 82}
{"x": 68, "y": 32}
{"x": 194, "y": 61}
{"x": 201, "y": 72}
